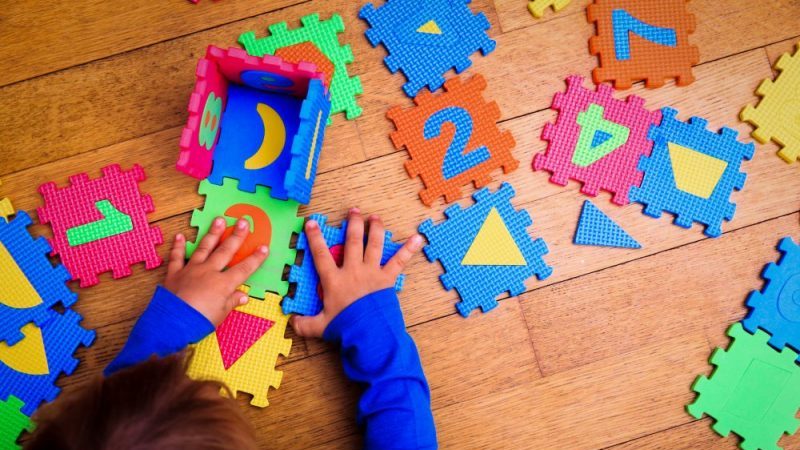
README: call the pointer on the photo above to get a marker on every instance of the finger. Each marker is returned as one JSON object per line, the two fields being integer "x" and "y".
{"x": 354, "y": 242}
{"x": 400, "y": 260}
{"x": 177, "y": 256}
{"x": 238, "y": 298}
{"x": 209, "y": 241}
{"x": 308, "y": 326}
{"x": 374, "y": 251}
{"x": 323, "y": 260}
{"x": 239, "y": 273}
{"x": 227, "y": 249}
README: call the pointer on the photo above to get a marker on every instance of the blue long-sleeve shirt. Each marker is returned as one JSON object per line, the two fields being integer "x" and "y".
{"x": 377, "y": 353}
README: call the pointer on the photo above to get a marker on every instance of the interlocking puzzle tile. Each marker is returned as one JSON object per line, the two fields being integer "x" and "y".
{"x": 272, "y": 222}
{"x": 12, "y": 422}
{"x": 113, "y": 243}
{"x": 776, "y": 308}
{"x": 30, "y": 368}
{"x": 692, "y": 172}
{"x": 596, "y": 228}
{"x": 538, "y": 7}
{"x": 307, "y": 299}
{"x": 639, "y": 40}
{"x": 325, "y": 36}
{"x": 754, "y": 390}
{"x": 6, "y": 208}
{"x": 452, "y": 139}
{"x": 244, "y": 350}
{"x": 31, "y": 285}
{"x": 777, "y": 114}
{"x": 485, "y": 249}
{"x": 596, "y": 140}
{"x": 427, "y": 39}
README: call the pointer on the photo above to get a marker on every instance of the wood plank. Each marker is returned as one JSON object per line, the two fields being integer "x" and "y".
{"x": 775, "y": 51}
{"x": 514, "y": 14}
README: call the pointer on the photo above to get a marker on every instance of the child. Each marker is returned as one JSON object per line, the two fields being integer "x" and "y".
{"x": 148, "y": 402}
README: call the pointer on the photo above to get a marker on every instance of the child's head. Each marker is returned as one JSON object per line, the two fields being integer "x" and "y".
{"x": 148, "y": 406}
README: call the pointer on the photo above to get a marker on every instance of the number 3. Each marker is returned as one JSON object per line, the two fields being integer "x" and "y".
{"x": 456, "y": 160}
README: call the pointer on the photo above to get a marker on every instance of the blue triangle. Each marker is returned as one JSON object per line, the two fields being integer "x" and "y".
{"x": 596, "y": 228}
{"x": 599, "y": 138}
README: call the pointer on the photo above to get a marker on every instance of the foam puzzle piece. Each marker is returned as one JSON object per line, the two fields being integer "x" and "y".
{"x": 452, "y": 139}
{"x": 6, "y": 208}
{"x": 77, "y": 205}
{"x": 306, "y": 300}
{"x": 692, "y": 172}
{"x": 776, "y": 308}
{"x": 272, "y": 222}
{"x": 538, "y": 7}
{"x": 777, "y": 113}
{"x": 576, "y": 149}
{"x": 754, "y": 390}
{"x": 31, "y": 284}
{"x": 427, "y": 39}
{"x": 324, "y": 35}
{"x": 596, "y": 228}
{"x": 12, "y": 422}
{"x": 478, "y": 283}
{"x": 30, "y": 368}
{"x": 639, "y": 40}
{"x": 253, "y": 372}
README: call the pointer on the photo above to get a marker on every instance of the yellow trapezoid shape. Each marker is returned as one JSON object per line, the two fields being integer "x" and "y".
{"x": 28, "y": 355}
{"x": 430, "y": 27}
{"x": 16, "y": 290}
{"x": 695, "y": 173}
{"x": 493, "y": 245}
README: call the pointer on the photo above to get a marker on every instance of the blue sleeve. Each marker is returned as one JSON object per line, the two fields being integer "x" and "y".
{"x": 167, "y": 326}
{"x": 378, "y": 353}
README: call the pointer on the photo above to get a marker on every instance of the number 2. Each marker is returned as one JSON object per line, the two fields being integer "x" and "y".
{"x": 456, "y": 160}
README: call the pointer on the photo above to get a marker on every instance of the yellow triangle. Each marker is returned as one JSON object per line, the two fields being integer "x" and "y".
{"x": 28, "y": 355}
{"x": 17, "y": 291}
{"x": 695, "y": 173}
{"x": 430, "y": 27}
{"x": 493, "y": 245}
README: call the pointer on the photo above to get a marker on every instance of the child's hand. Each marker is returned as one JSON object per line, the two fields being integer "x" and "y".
{"x": 201, "y": 282}
{"x": 361, "y": 272}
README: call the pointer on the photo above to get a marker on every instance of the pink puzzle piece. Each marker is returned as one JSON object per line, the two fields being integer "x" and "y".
{"x": 214, "y": 73}
{"x": 100, "y": 224}
{"x": 597, "y": 140}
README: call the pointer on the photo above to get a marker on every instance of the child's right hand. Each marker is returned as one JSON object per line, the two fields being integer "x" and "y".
{"x": 361, "y": 272}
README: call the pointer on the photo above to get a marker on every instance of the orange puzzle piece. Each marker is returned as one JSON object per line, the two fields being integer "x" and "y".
{"x": 308, "y": 52}
{"x": 452, "y": 139}
{"x": 639, "y": 40}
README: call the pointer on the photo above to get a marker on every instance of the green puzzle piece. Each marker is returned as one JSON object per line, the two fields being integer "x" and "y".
{"x": 754, "y": 391}
{"x": 281, "y": 222}
{"x": 589, "y": 149}
{"x": 325, "y": 35}
{"x": 12, "y": 423}
{"x": 114, "y": 222}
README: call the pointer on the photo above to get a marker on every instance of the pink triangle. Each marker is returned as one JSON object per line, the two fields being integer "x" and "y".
{"x": 237, "y": 333}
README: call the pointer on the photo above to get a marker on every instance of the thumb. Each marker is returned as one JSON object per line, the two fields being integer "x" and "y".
{"x": 238, "y": 298}
{"x": 308, "y": 326}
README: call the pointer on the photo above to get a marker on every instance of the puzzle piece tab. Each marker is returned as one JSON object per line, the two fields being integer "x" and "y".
{"x": 754, "y": 390}
{"x": 12, "y": 422}
{"x": 307, "y": 299}
{"x": 427, "y": 39}
{"x": 6, "y": 208}
{"x": 777, "y": 114}
{"x": 244, "y": 350}
{"x": 596, "y": 140}
{"x": 596, "y": 228}
{"x": 538, "y": 7}
{"x": 639, "y": 40}
{"x": 485, "y": 249}
{"x": 453, "y": 139}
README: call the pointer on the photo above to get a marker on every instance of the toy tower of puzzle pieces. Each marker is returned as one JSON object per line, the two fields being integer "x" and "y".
{"x": 12, "y": 422}
{"x": 316, "y": 42}
{"x": 639, "y": 40}
{"x": 692, "y": 172}
{"x": 452, "y": 139}
{"x": 427, "y": 39}
{"x": 6, "y": 208}
{"x": 596, "y": 140}
{"x": 538, "y": 7}
{"x": 596, "y": 228}
{"x": 777, "y": 115}
{"x": 100, "y": 224}
{"x": 485, "y": 250}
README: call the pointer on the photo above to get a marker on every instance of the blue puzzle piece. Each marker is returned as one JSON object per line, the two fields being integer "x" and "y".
{"x": 61, "y": 335}
{"x": 625, "y": 24}
{"x": 49, "y": 282}
{"x": 306, "y": 301}
{"x": 776, "y": 308}
{"x": 479, "y": 285}
{"x": 596, "y": 228}
{"x": 659, "y": 190}
{"x": 427, "y": 39}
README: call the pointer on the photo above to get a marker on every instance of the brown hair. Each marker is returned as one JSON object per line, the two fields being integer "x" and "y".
{"x": 148, "y": 406}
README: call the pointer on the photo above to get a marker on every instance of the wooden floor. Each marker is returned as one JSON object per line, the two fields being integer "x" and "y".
{"x": 600, "y": 355}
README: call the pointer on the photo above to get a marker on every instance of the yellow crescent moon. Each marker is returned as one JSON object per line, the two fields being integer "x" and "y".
{"x": 273, "y": 142}
{"x": 28, "y": 355}
{"x": 17, "y": 291}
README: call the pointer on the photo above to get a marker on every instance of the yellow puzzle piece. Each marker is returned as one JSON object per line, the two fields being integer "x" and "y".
{"x": 695, "y": 172}
{"x": 777, "y": 115}
{"x": 538, "y": 7}
{"x": 242, "y": 353}
{"x": 28, "y": 355}
{"x": 6, "y": 208}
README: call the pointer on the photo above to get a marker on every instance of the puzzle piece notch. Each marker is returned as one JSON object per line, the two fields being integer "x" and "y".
{"x": 424, "y": 58}
{"x": 596, "y": 228}
{"x": 538, "y": 7}
{"x": 12, "y": 423}
{"x": 435, "y": 156}
{"x": 306, "y": 300}
{"x": 777, "y": 114}
{"x": 6, "y": 208}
